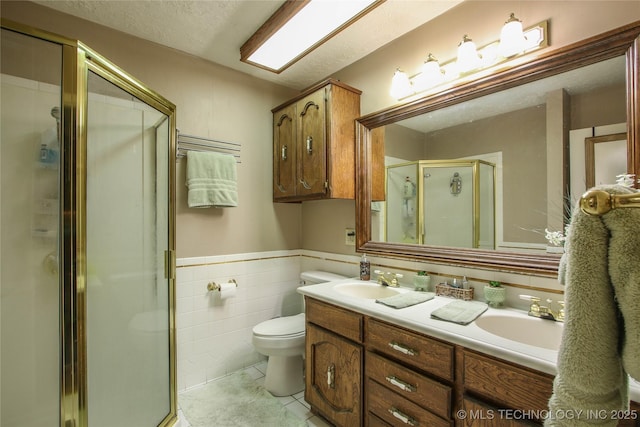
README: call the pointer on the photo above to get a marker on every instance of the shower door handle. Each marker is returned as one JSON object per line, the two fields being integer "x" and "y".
{"x": 169, "y": 264}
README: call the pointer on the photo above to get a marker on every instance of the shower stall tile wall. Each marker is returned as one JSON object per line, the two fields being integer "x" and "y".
{"x": 214, "y": 335}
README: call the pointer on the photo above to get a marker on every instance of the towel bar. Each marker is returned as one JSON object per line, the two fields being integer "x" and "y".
{"x": 599, "y": 202}
{"x": 197, "y": 143}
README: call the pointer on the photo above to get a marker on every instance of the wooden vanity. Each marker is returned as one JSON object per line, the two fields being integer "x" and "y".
{"x": 361, "y": 370}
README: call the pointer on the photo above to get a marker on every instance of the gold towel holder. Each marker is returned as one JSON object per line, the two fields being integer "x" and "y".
{"x": 213, "y": 286}
{"x": 599, "y": 202}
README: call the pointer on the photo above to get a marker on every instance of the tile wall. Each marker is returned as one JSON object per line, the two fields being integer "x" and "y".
{"x": 214, "y": 335}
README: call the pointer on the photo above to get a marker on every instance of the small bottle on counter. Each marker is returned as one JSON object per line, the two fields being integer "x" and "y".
{"x": 465, "y": 282}
{"x": 365, "y": 268}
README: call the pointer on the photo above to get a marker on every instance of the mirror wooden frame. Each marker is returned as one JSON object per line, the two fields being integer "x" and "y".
{"x": 621, "y": 41}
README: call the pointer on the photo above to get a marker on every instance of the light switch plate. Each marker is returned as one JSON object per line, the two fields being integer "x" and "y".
{"x": 350, "y": 237}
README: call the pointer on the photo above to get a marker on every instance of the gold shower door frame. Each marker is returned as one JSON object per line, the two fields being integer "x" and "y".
{"x": 77, "y": 60}
{"x": 421, "y": 165}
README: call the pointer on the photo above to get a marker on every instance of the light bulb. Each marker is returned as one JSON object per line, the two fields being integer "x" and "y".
{"x": 468, "y": 58}
{"x": 400, "y": 85}
{"x": 512, "y": 41}
{"x": 431, "y": 75}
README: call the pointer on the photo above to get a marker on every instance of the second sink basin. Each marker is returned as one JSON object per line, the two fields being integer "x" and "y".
{"x": 366, "y": 290}
{"x": 526, "y": 330}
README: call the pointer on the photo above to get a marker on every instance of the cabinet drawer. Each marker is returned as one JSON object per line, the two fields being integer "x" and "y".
{"x": 336, "y": 319}
{"x": 417, "y": 350}
{"x": 482, "y": 415}
{"x": 398, "y": 411}
{"x": 419, "y": 389}
{"x": 506, "y": 384}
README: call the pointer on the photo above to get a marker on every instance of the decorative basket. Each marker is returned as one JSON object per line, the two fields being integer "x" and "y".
{"x": 444, "y": 290}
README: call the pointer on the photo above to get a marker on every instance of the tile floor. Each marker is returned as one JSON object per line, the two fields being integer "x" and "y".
{"x": 294, "y": 403}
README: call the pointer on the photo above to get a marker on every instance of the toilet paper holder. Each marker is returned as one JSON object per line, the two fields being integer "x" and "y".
{"x": 213, "y": 286}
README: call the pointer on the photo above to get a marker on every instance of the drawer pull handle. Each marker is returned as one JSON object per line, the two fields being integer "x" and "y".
{"x": 401, "y": 384}
{"x": 331, "y": 376}
{"x": 283, "y": 154}
{"x": 403, "y": 349}
{"x": 403, "y": 417}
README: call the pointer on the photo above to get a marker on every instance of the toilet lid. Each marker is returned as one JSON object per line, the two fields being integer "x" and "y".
{"x": 281, "y": 326}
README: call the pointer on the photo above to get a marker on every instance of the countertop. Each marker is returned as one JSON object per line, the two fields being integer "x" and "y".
{"x": 417, "y": 318}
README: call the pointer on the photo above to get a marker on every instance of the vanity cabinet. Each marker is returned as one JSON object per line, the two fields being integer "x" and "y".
{"x": 314, "y": 144}
{"x": 409, "y": 376}
{"x": 333, "y": 363}
{"x": 364, "y": 371}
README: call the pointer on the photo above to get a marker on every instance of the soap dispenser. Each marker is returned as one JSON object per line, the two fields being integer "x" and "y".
{"x": 365, "y": 268}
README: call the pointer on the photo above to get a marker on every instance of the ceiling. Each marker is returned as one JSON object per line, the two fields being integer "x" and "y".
{"x": 215, "y": 29}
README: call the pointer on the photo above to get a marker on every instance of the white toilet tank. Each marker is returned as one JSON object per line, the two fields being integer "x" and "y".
{"x": 314, "y": 277}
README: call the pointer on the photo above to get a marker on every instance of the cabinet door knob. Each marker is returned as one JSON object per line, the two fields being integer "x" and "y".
{"x": 284, "y": 152}
{"x": 331, "y": 376}
{"x": 309, "y": 144}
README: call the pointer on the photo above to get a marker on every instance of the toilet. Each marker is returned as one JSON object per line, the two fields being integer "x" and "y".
{"x": 282, "y": 340}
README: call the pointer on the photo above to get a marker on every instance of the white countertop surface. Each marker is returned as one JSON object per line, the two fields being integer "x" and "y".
{"x": 471, "y": 336}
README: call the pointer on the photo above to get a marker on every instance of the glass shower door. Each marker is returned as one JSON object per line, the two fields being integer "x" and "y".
{"x": 29, "y": 231}
{"x": 127, "y": 234}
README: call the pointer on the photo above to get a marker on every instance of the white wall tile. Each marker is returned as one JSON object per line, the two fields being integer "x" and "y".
{"x": 214, "y": 335}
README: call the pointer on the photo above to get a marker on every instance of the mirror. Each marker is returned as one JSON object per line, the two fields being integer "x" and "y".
{"x": 516, "y": 124}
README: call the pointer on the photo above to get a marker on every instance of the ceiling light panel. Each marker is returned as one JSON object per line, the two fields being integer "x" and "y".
{"x": 286, "y": 38}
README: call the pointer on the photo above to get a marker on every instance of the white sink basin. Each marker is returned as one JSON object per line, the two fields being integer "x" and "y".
{"x": 526, "y": 330}
{"x": 366, "y": 290}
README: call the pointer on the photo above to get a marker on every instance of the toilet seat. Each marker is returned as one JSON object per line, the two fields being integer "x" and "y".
{"x": 281, "y": 327}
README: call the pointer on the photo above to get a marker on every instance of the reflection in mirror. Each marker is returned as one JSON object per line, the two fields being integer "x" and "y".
{"x": 437, "y": 192}
{"x": 530, "y": 122}
{"x": 441, "y": 202}
{"x": 605, "y": 157}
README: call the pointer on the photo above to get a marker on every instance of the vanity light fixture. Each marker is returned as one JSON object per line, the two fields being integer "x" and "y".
{"x": 468, "y": 58}
{"x": 431, "y": 75}
{"x": 512, "y": 40}
{"x": 471, "y": 62}
{"x": 297, "y": 28}
{"x": 400, "y": 85}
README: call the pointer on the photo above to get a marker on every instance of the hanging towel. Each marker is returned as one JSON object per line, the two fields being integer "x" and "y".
{"x": 211, "y": 179}
{"x": 406, "y": 299}
{"x": 600, "y": 345}
{"x": 460, "y": 312}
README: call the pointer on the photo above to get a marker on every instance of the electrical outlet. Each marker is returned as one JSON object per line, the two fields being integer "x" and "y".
{"x": 350, "y": 236}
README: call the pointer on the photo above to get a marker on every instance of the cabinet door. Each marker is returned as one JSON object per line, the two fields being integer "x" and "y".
{"x": 333, "y": 377}
{"x": 312, "y": 140}
{"x": 284, "y": 153}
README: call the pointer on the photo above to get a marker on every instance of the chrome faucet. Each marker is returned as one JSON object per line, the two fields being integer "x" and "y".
{"x": 542, "y": 311}
{"x": 391, "y": 281}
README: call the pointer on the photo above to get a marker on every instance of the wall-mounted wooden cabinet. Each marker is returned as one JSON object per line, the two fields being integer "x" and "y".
{"x": 314, "y": 144}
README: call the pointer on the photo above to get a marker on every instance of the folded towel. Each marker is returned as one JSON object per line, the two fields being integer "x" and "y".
{"x": 406, "y": 299}
{"x": 211, "y": 179}
{"x": 461, "y": 312}
{"x": 600, "y": 341}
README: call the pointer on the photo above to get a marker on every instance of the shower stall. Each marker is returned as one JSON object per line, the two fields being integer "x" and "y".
{"x": 442, "y": 203}
{"x": 87, "y": 259}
